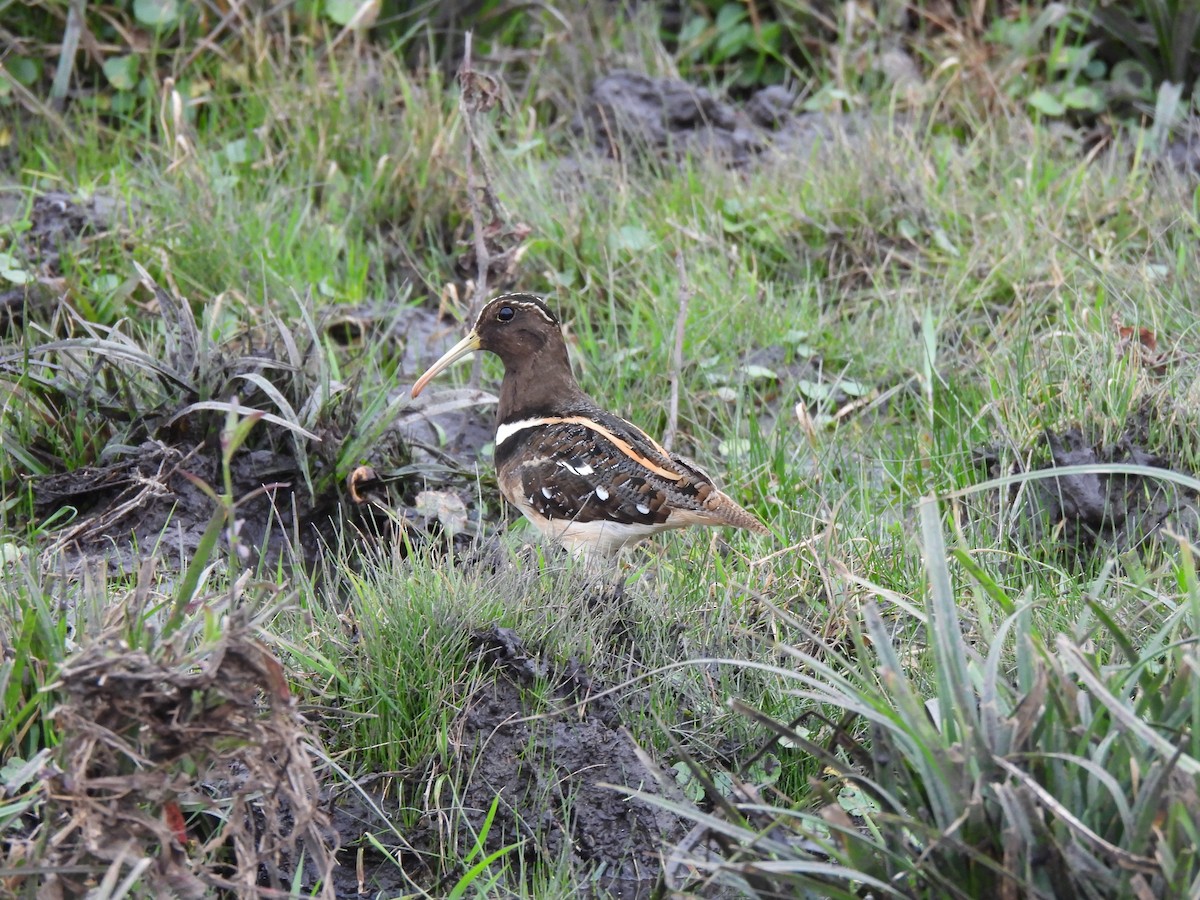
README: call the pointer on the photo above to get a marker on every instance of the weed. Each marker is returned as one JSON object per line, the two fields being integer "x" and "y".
{"x": 997, "y": 781}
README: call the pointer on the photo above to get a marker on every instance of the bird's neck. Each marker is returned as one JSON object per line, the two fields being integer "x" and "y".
{"x": 538, "y": 384}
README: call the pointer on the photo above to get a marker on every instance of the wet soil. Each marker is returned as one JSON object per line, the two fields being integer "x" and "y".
{"x": 1100, "y": 513}
{"x": 555, "y": 759}
{"x": 630, "y": 113}
{"x": 559, "y": 774}
{"x": 148, "y": 504}
{"x": 43, "y": 227}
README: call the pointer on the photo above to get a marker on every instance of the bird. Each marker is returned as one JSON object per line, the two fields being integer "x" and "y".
{"x": 588, "y": 479}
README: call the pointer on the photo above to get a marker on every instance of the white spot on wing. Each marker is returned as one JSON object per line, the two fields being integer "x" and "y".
{"x": 643, "y": 509}
{"x": 583, "y": 469}
{"x": 547, "y": 493}
{"x": 601, "y": 493}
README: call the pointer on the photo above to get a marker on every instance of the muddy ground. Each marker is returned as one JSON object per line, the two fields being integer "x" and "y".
{"x": 554, "y": 774}
{"x": 557, "y": 779}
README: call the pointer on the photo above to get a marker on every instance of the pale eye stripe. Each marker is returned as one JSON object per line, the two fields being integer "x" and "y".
{"x": 518, "y": 300}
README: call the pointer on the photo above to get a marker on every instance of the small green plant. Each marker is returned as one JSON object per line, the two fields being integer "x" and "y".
{"x": 728, "y": 39}
{"x": 1161, "y": 36}
{"x": 1079, "y": 61}
{"x": 1075, "y": 775}
{"x": 1057, "y": 70}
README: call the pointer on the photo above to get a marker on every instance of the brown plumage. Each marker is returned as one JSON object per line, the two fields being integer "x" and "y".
{"x": 585, "y": 477}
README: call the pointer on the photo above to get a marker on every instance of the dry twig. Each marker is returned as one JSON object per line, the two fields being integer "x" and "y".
{"x": 685, "y": 296}
{"x": 478, "y": 93}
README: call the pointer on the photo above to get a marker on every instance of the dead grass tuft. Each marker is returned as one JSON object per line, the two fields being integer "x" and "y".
{"x": 192, "y": 765}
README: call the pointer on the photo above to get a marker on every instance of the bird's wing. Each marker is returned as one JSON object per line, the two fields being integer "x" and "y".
{"x": 589, "y": 468}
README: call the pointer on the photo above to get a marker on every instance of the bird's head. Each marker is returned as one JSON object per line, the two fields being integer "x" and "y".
{"x": 516, "y": 327}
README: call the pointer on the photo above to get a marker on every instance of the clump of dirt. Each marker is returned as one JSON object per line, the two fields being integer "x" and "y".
{"x": 1182, "y": 152}
{"x": 1086, "y": 513}
{"x": 628, "y": 112}
{"x": 149, "y": 503}
{"x": 553, "y": 774}
{"x": 54, "y": 219}
{"x": 149, "y": 733}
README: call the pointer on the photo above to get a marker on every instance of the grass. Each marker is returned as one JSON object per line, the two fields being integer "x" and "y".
{"x": 967, "y": 278}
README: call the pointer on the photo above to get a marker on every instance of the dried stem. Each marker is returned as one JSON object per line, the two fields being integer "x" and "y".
{"x": 468, "y": 109}
{"x": 478, "y": 93}
{"x": 685, "y": 296}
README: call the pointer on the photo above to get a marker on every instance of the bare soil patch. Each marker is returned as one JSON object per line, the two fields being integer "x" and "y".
{"x": 555, "y": 775}
{"x": 1102, "y": 512}
{"x": 628, "y": 112}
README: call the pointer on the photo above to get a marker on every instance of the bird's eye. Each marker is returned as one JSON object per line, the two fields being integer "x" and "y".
{"x": 505, "y": 313}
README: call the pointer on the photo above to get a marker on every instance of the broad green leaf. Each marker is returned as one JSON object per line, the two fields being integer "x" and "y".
{"x": 22, "y": 69}
{"x": 943, "y": 242}
{"x": 12, "y": 270}
{"x": 1046, "y": 103}
{"x": 1083, "y": 97}
{"x": 734, "y": 447}
{"x": 769, "y": 37}
{"x": 729, "y": 15}
{"x": 156, "y": 13}
{"x": 691, "y": 788}
{"x": 241, "y": 151}
{"x": 814, "y": 390}
{"x": 106, "y": 283}
{"x": 759, "y": 373}
{"x": 122, "y": 71}
{"x": 341, "y": 12}
{"x": 733, "y": 41}
{"x": 630, "y": 238}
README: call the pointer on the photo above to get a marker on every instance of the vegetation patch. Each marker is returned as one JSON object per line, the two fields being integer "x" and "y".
{"x": 257, "y": 603}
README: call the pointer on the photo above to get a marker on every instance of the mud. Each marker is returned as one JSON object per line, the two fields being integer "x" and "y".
{"x": 629, "y": 113}
{"x": 55, "y": 219}
{"x": 1101, "y": 513}
{"x": 148, "y": 505}
{"x": 551, "y": 775}
{"x": 1183, "y": 152}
